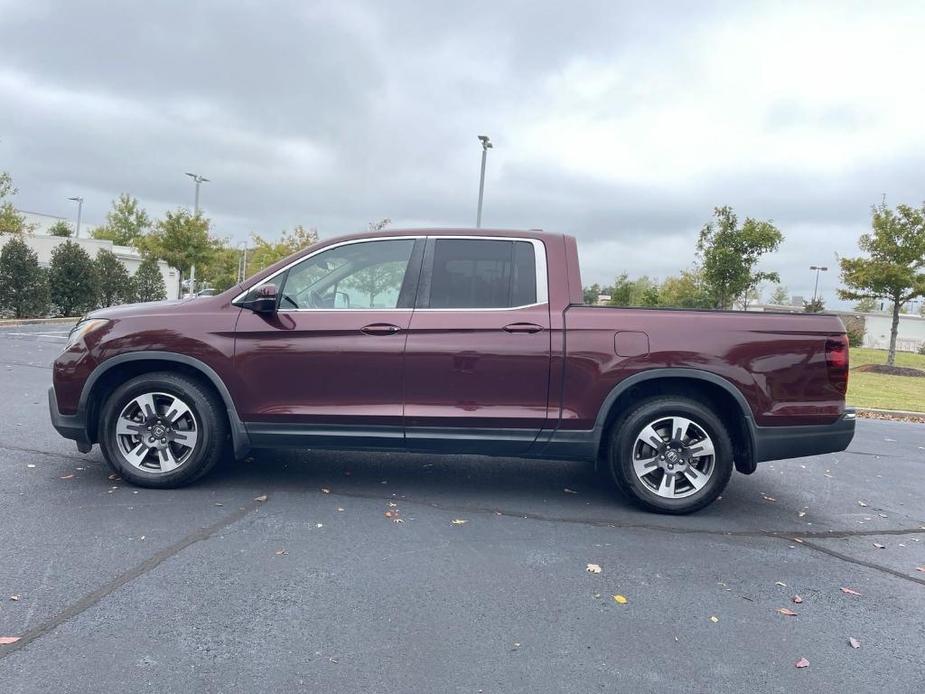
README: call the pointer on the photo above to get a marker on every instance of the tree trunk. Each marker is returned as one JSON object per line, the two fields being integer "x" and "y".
{"x": 894, "y": 329}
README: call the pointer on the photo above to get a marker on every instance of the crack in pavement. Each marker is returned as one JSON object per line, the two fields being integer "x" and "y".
{"x": 91, "y": 599}
{"x": 860, "y": 562}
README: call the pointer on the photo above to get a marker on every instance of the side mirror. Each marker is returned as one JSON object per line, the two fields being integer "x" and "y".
{"x": 264, "y": 300}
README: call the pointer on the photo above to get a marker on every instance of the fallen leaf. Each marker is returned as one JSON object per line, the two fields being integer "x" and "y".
{"x": 593, "y": 568}
{"x": 879, "y": 546}
{"x": 459, "y": 521}
{"x": 339, "y": 508}
{"x": 219, "y": 503}
{"x": 768, "y": 498}
{"x": 6, "y": 640}
{"x": 390, "y": 514}
{"x": 801, "y": 663}
{"x": 801, "y": 514}
{"x": 281, "y": 553}
{"x": 620, "y": 600}
{"x": 714, "y": 619}
{"x": 325, "y": 491}
{"x": 786, "y": 611}
{"x": 262, "y": 497}
{"x": 30, "y": 464}
{"x": 319, "y": 525}
{"x": 854, "y": 642}
{"x": 920, "y": 568}
{"x": 862, "y": 504}
{"x": 114, "y": 476}
{"x": 797, "y": 599}
{"x": 398, "y": 520}
{"x": 569, "y": 491}
{"x": 781, "y": 584}
{"x": 14, "y": 598}
{"x": 849, "y": 591}
{"x": 68, "y": 477}
{"x": 392, "y": 504}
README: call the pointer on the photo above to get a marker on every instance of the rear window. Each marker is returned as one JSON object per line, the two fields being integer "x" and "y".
{"x": 483, "y": 273}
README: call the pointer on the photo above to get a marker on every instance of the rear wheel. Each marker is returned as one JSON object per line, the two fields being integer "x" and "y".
{"x": 671, "y": 455}
{"x": 162, "y": 430}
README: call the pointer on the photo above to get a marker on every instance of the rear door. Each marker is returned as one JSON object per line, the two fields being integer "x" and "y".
{"x": 478, "y": 347}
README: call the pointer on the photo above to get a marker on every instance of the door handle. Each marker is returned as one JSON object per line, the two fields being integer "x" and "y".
{"x": 380, "y": 329}
{"x": 523, "y": 328}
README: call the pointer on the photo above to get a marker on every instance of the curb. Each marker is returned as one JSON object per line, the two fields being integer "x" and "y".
{"x": 874, "y": 413}
{"x": 15, "y": 322}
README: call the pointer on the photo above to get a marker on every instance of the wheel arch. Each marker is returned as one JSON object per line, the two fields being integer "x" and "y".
{"x": 124, "y": 366}
{"x": 715, "y": 391}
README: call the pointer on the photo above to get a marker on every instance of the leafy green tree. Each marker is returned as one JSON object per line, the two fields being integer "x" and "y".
{"x": 265, "y": 253}
{"x": 895, "y": 266}
{"x": 125, "y": 222}
{"x": 11, "y": 221}
{"x": 591, "y": 293}
{"x": 148, "y": 282}
{"x": 72, "y": 279}
{"x": 687, "y": 290}
{"x": 60, "y": 228}
{"x": 814, "y": 306}
{"x": 115, "y": 284}
{"x": 730, "y": 252}
{"x": 866, "y": 305}
{"x": 221, "y": 270}
{"x": 181, "y": 239}
{"x": 642, "y": 291}
{"x": 780, "y": 296}
{"x": 23, "y": 283}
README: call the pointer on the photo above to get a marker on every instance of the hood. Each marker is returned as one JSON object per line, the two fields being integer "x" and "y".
{"x": 145, "y": 309}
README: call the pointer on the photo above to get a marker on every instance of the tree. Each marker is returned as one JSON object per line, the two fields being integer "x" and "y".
{"x": 591, "y": 293}
{"x": 265, "y": 253}
{"x": 23, "y": 283}
{"x": 814, "y": 306}
{"x": 895, "y": 266}
{"x": 866, "y": 305}
{"x": 380, "y": 225}
{"x": 115, "y": 284}
{"x": 125, "y": 222}
{"x": 730, "y": 252}
{"x": 751, "y": 296}
{"x": 181, "y": 239}
{"x": 221, "y": 270}
{"x": 60, "y": 228}
{"x": 781, "y": 296}
{"x": 11, "y": 221}
{"x": 148, "y": 282}
{"x": 72, "y": 279}
{"x": 687, "y": 290}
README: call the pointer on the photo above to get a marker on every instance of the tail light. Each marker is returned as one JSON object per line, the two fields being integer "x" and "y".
{"x": 836, "y": 358}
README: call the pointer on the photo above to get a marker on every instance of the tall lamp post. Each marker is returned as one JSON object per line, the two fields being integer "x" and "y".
{"x": 198, "y": 180}
{"x": 486, "y": 145}
{"x": 80, "y": 206}
{"x": 818, "y": 269}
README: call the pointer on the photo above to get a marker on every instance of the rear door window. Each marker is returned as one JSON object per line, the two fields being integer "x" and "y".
{"x": 482, "y": 273}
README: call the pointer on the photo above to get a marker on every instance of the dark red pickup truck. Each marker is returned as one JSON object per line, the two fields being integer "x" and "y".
{"x": 452, "y": 341}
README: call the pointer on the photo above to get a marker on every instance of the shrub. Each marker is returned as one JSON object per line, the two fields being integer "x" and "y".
{"x": 115, "y": 284}
{"x": 148, "y": 282}
{"x": 23, "y": 283}
{"x": 73, "y": 280}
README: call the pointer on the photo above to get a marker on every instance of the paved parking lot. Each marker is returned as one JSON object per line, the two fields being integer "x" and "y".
{"x": 316, "y": 589}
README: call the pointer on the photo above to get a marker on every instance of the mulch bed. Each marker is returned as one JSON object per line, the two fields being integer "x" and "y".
{"x": 891, "y": 370}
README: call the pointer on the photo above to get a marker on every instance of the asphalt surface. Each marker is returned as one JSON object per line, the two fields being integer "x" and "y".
{"x": 205, "y": 589}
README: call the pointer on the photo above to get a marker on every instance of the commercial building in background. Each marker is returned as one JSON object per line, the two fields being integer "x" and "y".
{"x": 43, "y": 244}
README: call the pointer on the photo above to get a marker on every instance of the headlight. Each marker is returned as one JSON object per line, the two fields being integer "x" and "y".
{"x": 84, "y": 328}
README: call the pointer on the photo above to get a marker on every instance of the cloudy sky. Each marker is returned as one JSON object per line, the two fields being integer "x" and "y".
{"x": 621, "y": 123}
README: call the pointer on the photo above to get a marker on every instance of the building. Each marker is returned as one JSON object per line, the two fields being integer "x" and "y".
{"x": 43, "y": 245}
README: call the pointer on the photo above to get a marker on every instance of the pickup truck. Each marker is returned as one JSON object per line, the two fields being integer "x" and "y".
{"x": 452, "y": 341}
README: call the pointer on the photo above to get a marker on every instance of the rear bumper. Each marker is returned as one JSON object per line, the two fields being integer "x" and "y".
{"x": 69, "y": 426}
{"x": 777, "y": 443}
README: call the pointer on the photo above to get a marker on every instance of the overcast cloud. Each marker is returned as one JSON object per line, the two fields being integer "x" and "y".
{"x": 624, "y": 125}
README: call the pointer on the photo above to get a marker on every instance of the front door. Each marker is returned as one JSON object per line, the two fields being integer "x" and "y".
{"x": 478, "y": 348}
{"x": 326, "y": 369}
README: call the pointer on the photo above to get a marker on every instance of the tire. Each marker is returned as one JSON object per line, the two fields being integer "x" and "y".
{"x": 162, "y": 430}
{"x": 677, "y": 476}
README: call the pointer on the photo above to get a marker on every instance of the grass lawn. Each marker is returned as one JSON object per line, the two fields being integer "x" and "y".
{"x": 885, "y": 392}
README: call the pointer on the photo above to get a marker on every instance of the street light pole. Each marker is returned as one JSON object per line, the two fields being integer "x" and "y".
{"x": 80, "y": 206}
{"x": 818, "y": 269}
{"x": 198, "y": 179}
{"x": 486, "y": 145}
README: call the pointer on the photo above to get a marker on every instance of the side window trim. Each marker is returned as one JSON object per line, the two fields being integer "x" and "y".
{"x": 422, "y": 302}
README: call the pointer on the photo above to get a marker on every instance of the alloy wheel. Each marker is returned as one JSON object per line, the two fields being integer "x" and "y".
{"x": 156, "y": 432}
{"x": 673, "y": 457}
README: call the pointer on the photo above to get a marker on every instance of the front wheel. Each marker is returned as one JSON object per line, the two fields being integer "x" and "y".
{"x": 162, "y": 430}
{"x": 671, "y": 455}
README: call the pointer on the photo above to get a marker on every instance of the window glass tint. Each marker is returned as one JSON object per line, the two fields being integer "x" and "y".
{"x": 470, "y": 273}
{"x": 365, "y": 275}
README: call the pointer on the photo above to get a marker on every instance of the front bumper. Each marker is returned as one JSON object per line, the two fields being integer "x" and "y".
{"x": 778, "y": 443}
{"x": 70, "y": 426}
